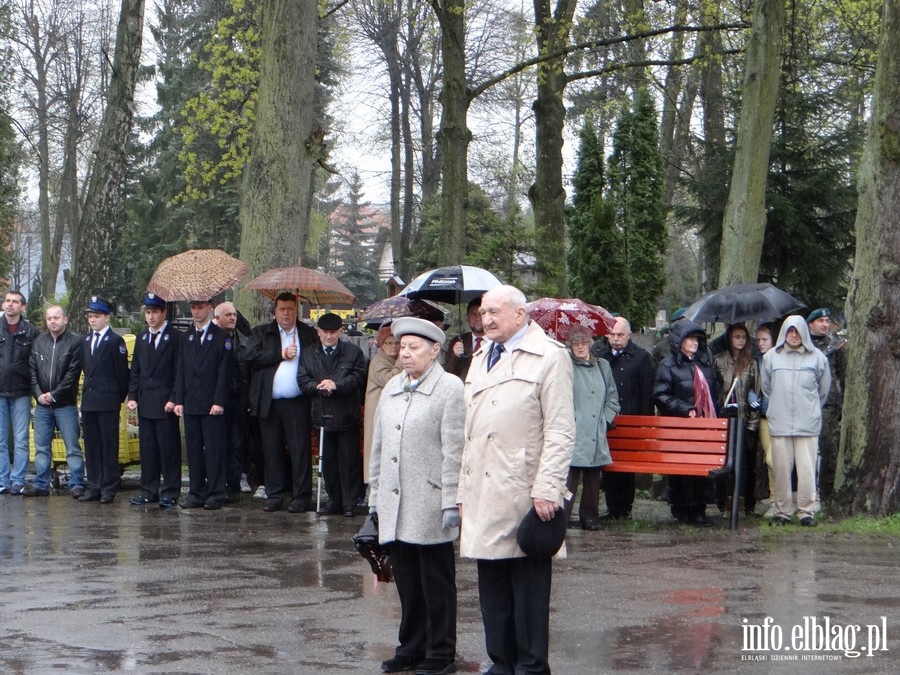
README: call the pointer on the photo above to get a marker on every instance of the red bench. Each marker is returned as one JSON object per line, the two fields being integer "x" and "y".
{"x": 673, "y": 446}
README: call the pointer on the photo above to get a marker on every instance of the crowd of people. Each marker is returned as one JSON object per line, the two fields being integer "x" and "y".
{"x": 467, "y": 437}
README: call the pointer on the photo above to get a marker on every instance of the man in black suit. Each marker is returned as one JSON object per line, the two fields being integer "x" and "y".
{"x": 333, "y": 375}
{"x": 463, "y": 346}
{"x": 273, "y": 356}
{"x": 105, "y": 385}
{"x": 633, "y": 372}
{"x": 202, "y": 384}
{"x": 151, "y": 392}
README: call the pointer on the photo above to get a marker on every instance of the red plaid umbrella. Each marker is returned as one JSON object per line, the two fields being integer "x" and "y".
{"x": 316, "y": 288}
{"x": 559, "y": 316}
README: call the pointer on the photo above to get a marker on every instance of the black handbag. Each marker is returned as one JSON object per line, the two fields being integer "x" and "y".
{"x": 366, "y": 542}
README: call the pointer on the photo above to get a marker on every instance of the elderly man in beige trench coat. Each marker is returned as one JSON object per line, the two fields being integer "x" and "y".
{"x": 520, "y": 430}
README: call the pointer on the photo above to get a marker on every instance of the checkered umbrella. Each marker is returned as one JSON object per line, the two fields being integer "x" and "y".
{"x": 559, "y": 316}
{"x": 197, "y": 274}
{"x": 316, "y": 288}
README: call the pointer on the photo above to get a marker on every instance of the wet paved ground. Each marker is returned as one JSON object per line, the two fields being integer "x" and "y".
{"x": 88, "y": 588}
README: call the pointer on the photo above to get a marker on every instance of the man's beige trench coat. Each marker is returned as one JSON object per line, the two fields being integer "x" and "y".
{"x": 520, "y": 431}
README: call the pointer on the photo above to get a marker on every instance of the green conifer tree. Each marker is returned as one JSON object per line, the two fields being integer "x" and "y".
{"x": 637, "y": 191}
{"x": 596, "y": 254}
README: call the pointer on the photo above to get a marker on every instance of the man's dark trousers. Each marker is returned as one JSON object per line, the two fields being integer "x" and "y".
{"x": 287, "y": 425}
{"x": 204, "y": 436}
{"x": 342, "y": 467}
{"x": 515, "y": 609}
{"x": 160, "y": 443}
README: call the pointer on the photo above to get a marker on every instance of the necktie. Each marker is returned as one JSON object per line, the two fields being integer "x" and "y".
{"x": 96, "y": 342}
{"x": 199, "y": 338}
{"x": 495, "y": 355}
{"x": 477, "y": 344}
{"x": 153, "y": 337}
{"x": 329, "y": 351}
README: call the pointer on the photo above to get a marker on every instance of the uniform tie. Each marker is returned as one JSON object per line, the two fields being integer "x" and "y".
{"x": 96, "y": 342}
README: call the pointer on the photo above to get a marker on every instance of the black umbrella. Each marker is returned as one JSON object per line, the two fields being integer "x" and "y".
{"x": 455, "y": 284}
{"x": 743, "y": 302}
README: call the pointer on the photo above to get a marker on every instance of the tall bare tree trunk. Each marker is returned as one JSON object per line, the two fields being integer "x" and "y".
{"x": 454, "y": 135}
{"x": 275, "y": 202}
{"x": 868, "y": 475}
{"x": 547, "y": 195}
{"x": 102, "y": 219}
{"x": 668, "y": 126}
{"x": 744, "y": 223}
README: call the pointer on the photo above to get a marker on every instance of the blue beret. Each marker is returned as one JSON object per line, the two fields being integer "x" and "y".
{"x": 153, "y": 300}
{"x": 99, "y": 304}
{"x": 818, "y": 314}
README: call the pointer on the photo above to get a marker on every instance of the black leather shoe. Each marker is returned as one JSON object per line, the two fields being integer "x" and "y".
{"x": 399, "y": 664}
{"x": 89, "y": 497}
{"x": 107, "y": 499}
{"x": 141, "y": 501}
{"x": 702, "y": 521}
{"x": 272, "y": 505}
{"x": 808, "y": 522}
{"x": 212, "y": 506}
{"x": 349, "y": 512}
{"x": 31, "y": 490}
{"x": 330, "y": 511}
{"x": 77, "y": 492}
{"x": 190, "y": 504}
{"x": 592, "y": 525}
{"x": 779, "y": 521}
{"x": 167, "y": 503}
{"x": 298, "y": 506}
{"x": 435, "y": 667}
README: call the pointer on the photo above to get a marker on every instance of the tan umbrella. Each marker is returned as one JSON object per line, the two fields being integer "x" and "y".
{"x": 197, "y": 274}
{"x": 316, "y": 288}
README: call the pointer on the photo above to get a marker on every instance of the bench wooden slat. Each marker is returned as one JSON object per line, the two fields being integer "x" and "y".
{"x": 674, "y": 434}
{"x": 669, "y": 458}
{"x": 656, "y": 422}
{"x": 638, "y": 444}
{"x": 662, "y": 469}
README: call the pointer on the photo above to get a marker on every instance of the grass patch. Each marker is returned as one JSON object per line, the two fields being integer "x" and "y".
{"x": 860, "y": 526}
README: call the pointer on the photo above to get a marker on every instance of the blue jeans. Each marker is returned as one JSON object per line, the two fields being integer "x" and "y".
{"x": 45, "y": 420}
{"x": 19, "y": 409}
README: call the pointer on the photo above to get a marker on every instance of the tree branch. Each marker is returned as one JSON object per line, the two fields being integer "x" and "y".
{"x": 594, "y": 44}
{"x": 643, "y": 64}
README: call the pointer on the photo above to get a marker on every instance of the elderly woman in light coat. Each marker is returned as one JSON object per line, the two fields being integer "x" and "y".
{"x": 415, "y": 464}
{"x": 596, "y": 406}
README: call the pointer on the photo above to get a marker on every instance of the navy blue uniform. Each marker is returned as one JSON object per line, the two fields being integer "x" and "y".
{"x": 152, "y": 385}
{"x": 202, "y": 381}
{"x": 103, "y": 391}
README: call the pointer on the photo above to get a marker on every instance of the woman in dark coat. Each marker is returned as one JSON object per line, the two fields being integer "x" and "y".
{"x": 686, "y": 386}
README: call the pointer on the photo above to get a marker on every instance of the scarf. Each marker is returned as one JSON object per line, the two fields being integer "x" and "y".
{"x": 703, "y": 402}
